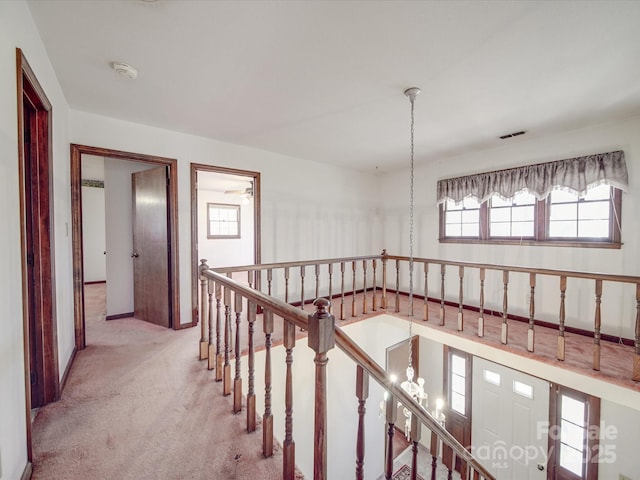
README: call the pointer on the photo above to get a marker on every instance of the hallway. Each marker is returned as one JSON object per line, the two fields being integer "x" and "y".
{"x": 138, "y": 405}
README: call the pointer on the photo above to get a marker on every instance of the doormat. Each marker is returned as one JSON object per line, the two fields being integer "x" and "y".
{"x": 404, "y": 473}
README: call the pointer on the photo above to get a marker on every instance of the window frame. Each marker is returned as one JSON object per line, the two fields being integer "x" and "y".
{"x": 224, "y": 206}
{"x": 541, "y": 228}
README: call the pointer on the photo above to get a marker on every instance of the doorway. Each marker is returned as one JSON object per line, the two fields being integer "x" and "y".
{"x": 170, "y": 166}
{"x": 35, "y": 171}
{"x": 225, "y": 221}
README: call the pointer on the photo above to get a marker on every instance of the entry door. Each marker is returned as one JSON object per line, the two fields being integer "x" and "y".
{"x": 511, "y": 412}
{"x": 151, "y": 245}
{"x": 457, "y": 387}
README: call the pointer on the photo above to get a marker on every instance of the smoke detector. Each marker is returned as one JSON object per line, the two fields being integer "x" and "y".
{"x": 125, "y": 70}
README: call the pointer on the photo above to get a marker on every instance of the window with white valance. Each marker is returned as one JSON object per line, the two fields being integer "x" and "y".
{"x": 566, "y": 201}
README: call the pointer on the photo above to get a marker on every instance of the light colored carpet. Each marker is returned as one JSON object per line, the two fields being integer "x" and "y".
{"x": 139, "y": 405}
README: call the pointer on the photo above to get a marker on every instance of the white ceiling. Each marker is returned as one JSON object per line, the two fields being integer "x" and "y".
{"x": 323, "y": 80}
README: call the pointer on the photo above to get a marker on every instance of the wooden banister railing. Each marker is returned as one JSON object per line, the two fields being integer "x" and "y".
{"x": 531, "y": 279}
{"x": 295, "y": 318}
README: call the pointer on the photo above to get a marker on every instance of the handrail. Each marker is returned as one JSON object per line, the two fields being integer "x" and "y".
{"x": 353, "y": 351}
{"x": 267, "y": 266}
{"x": 541, "y": 271}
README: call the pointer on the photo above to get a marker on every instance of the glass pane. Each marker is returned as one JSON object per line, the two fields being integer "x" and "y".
{"x": 470, "y": 230}
{"x": 470, "y": 216}
{"x": 567, "y": 211}
{"x": 572, "y": 435}
{"x": 214, "y": 228}
{"x": 562, "y": 196}
{"x": 457, "y": 384}
{"x": 457, "y": 403}
{"x": 524, "y": 198}
{"x": 492, "y": 377}
{"x": 522, "y": 213}
{"x": 593, "y": 229}
{"x": 470, "y": 203}
{"x": 601, "y": 192}
{"x": 573, "y": 410}
{"x": 451, "y": 205}
{"x": 496, "y": 201}
{"x": 593, "y": 211}
{"x": 522, "y": 229}
{"x": 454, "y": 217}
{"x": 523, "y": 389}
{"x": 458, "y": 365}
{"x": 563, "y": 229}
{"x": 453, "y": 230}
{"x": 233, "y": 229}
{"x": 571, "y": 459}
{"x": 500, "y": 229}
{"x": 214, "y": 213}
{"x": 500, "y": 215}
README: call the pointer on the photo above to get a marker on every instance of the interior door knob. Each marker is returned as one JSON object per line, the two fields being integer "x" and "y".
{"x": 540, "y": 467}
{"x": 134, "y": 255}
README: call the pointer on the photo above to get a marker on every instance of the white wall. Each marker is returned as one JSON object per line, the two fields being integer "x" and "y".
{"x": 619, "y": 440}
{"x": 332, "y": 215}
{"x": 119, "y": 233}
{"x": 618, "y": 303}
{"x": 226, "y": 252}
{"x": 93, "y": 234}
{"x": 18, "y": 30}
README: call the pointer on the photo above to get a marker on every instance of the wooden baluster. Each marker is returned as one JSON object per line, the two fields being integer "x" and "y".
{"x": 448, "y": 459}
{"x": 460, "y": 292}
{"x": 374, "y": 302}
{"x": 532, "y": 310}
{"x": 481, "y": 317}
{"x": 250, "y": 277}
{"x": 384, "y": 279}
{"x": 321, "y": 339}
{"x": 636, "y": 359}
{"x": 251, "y": 394}
{"x": 219, "y": 317}
{"x": 237, "y": 381}
{"x": 391, "y": 414}
{"x": 598, "y": 322}
{"x": 204, "y": 344}
{"x": 302, "y": 287}
{"x": 364, "y": 293}
{"x": 331, "y": 287}
{"x": 317, "y": 267}
{"x": 353, "y": 289}
{"x": 561, "y": 343}
{"x": 269, "y": 280}
{"x": 342, "y": 313}
{"x": 433, "y": 448}
{"x": 362, "y": 393}
{"x": 288, "y": 446}
{"x": 267, "y": 418}
{"x": 442, "y": 272}
{"x": 286, "y": 284}
{"x": 415, "y": 438}
{"x": 397, "y": 286}
{"x": 226, "y": 385}
{"x": 505, "y": 328}
{"x": 425, "y": 313}
{"x": 211, "y": 348}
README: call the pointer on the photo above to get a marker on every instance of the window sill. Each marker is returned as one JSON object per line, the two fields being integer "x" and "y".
{"x": 535, "y": 243}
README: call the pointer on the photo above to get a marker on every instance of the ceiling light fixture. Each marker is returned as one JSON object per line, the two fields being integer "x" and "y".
{"x": 125, "y": 70}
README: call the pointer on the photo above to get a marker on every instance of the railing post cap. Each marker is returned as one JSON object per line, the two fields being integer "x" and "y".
{"x": 321, "y": 327}
{"x": 203, "y": 264}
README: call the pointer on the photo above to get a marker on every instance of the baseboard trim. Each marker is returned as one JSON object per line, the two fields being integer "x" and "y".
{"x": 96, "y": 282}
{"x": 28, "y": 470}
{"x": 120, "y": 315}
{"x": 65, "y": 375}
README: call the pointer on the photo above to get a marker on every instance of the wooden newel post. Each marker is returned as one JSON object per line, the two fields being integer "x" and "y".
{"x": 204, "y": 294}
{"x": 362, "y": 392}
{"x": 321, "y": 340}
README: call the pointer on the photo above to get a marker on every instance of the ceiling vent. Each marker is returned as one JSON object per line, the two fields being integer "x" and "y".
{"x": 514, "y": 134}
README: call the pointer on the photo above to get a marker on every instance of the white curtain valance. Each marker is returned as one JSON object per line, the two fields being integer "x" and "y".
{"x": 574, "y": 174}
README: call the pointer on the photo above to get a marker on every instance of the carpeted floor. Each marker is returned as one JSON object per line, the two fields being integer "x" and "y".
{"x": 138, "y": 405}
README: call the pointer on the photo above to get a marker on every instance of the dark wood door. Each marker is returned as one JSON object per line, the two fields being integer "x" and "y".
{"x": 151, "y": 247}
